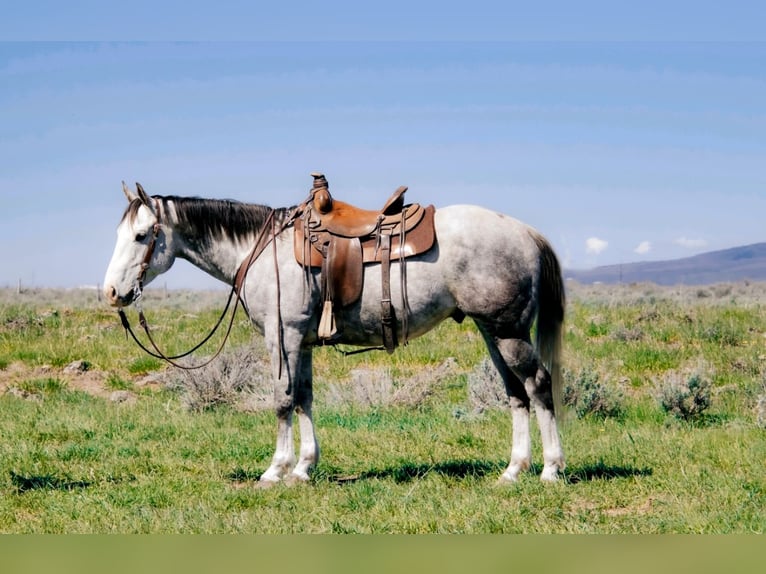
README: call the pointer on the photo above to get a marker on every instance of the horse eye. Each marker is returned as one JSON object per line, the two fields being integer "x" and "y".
{"x": 140, "y": 237}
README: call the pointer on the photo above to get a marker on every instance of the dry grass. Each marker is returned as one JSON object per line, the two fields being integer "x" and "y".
{"x": 376, "y": 387}
{"x": 486, "y": 389}
{"x": 741, "y": 293}
{"x": 240, "y": 378}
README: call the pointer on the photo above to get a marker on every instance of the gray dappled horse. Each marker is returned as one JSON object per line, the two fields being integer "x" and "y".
{"x": 484, "y": 265}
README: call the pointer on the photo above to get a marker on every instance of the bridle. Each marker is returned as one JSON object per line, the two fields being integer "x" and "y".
{"x": 147, "y": 259}
{"x": 268, "y": 234}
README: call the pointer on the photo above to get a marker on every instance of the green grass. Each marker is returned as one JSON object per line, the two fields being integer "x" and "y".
{"x": 74, "y": 462}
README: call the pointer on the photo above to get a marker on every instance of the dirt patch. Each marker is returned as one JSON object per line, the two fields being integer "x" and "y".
{"x": 87, "y": 380}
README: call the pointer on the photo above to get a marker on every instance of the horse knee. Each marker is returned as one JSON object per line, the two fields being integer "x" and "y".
{"x": 283, "y": 406}
{"x": 304, "y": 397}
{"x": 541, "y": 387}
{"x": 518, "y": 401}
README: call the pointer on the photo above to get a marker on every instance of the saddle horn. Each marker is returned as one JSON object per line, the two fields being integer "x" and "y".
{"x": 320, "y": 193}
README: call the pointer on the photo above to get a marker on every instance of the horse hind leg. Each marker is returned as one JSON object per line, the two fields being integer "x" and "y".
{"x": 524, "y": 362}
{"x": 519, "y": 356}
{"x": 521, "y": 448}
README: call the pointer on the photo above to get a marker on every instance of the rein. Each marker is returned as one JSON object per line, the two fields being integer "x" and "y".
{"x": 261, "y": 243}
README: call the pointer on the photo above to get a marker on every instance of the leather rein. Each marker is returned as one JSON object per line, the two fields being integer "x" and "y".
{"x": 268, "y": 234}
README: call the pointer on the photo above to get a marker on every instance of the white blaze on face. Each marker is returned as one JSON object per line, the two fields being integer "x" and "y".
{"x": 133, "y": 238}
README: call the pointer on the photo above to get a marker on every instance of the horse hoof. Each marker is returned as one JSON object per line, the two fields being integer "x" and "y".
{"x": 506, "y": 479}
{"x": 550, "y": 474}
{"x": 266, "y": 484}
{"x": 295, "y": 479}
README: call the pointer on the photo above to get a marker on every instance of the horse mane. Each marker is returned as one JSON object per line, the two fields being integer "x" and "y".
{"x": 213, "y": 219}
{"x": 131, "y": 211}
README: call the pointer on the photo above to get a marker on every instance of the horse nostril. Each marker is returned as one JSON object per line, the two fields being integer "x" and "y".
{"x": 110, "y": 293}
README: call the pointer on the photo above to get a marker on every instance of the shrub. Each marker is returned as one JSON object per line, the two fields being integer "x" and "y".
{"x": 589, "y": 396}
{"x": 486, "y": 389}
{"x": 239, "y": 379}
{"x": 583, "y": 391}
{"x": 686, "y": 394}
{"x": 366, "y": 388}
{"x": 760, "y": 405}
{"x": 376, "y": 387}
{"x": 624, "y": 335}
{"x": 760, "y": 411}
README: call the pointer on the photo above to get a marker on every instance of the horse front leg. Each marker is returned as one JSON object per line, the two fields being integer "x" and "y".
{"x": 285, "y": 365}
{"x": 304, "y": 396}
{"x": 292, "y": 393}
{"x": 283, "y": 460}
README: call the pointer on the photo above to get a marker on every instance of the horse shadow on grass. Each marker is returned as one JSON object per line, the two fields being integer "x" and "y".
{"x": 457, "y": 470}
{"x": 472, "y": 469}
{"x": 402, "y": 473}
{"x": 24, "y": 483}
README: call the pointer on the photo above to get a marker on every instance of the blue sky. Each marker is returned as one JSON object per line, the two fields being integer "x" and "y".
{"x": 616, "y": 150}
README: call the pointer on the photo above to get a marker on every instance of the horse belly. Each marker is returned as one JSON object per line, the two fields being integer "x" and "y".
{"x": 428, "y": 302}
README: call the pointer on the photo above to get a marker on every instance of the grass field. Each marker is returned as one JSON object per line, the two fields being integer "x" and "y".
{"x": 117, "y": 445}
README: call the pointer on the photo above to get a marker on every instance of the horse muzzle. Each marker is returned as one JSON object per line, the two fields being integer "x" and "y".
{"x": 113, "y": 297}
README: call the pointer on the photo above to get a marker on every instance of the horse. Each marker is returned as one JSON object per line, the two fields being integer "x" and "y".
{"x": 485, "y": 265}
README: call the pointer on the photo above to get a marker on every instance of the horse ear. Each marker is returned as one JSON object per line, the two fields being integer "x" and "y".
{"x": 143, "y": 196}
{"x": 129, "y": 194}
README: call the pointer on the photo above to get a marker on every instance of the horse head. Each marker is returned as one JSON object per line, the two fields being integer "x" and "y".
{"x": 142, "y": 251}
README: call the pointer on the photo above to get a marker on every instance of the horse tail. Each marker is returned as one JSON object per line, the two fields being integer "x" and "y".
{"x": 550, "y": 317}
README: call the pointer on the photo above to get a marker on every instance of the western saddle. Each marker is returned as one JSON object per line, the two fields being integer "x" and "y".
{"x": 340, "y": 239}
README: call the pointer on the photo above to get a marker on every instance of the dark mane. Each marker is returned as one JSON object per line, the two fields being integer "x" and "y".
{"x": 212, "y": 219}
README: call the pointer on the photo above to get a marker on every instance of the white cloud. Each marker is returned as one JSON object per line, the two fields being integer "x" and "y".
{"x": 691, "y": 243}
{"x": 643, "y": 248}
{"x": 594, "y": 245}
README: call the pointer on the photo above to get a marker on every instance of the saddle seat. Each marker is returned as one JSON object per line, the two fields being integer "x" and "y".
{"x": 346, "y": 220}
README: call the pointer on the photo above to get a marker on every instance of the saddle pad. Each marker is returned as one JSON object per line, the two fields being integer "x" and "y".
{"x": 417, "y": 240}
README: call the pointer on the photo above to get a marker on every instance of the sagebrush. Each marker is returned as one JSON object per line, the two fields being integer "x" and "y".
{"x": 686, "y": 393}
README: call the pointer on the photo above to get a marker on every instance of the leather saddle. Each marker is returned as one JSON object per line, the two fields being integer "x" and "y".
{"x": 341, "y": 238}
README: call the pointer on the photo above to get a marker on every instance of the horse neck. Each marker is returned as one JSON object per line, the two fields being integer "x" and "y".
{"x": 211, "y": 243}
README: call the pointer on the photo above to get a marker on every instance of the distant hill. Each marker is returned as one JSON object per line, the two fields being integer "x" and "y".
{"x": 735, "y": 264}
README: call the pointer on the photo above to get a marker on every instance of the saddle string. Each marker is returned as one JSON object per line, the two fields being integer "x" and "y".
{"x": 403, "y": 281}
{"x": 280, "y": 335}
